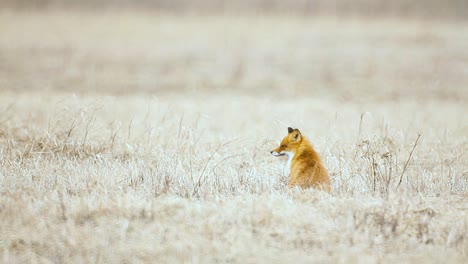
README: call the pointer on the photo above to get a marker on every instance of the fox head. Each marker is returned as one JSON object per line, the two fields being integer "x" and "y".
{"x": 289, "y": 143}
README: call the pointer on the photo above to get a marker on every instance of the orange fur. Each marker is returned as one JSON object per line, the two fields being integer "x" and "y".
{"x": 306, "y": 167}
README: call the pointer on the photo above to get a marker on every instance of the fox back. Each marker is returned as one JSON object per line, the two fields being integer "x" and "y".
{"x": 306, "y": 167}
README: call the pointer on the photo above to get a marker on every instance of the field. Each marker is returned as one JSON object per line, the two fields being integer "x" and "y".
{"x": 139, "y": 136}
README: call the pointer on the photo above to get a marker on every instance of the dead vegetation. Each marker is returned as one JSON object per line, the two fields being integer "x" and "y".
{"x": 152, "y": 145}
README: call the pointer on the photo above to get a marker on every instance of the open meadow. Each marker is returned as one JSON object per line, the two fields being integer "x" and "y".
{"x": 145, "y": 137}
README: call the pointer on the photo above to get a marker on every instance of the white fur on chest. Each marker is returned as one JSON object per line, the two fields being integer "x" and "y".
{"x": 290, "y": 158}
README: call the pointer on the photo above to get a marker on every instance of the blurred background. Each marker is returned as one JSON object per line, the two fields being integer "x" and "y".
{"x": 343, "y": 49}
{"x": 433, "y": 9}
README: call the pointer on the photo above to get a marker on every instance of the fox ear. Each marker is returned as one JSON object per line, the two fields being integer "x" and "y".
{"x": 296, "y": 135}
{"x": 290, "y": 130}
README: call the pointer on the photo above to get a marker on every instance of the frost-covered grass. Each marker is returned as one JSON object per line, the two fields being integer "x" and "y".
{"x": 126, "y": 179}
{"x": 149, "y": 142}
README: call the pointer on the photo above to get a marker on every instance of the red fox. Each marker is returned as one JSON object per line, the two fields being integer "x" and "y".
{"x": 306, "y": 167}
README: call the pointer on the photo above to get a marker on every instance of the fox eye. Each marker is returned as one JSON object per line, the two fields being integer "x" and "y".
{"x": 284, "y": 145}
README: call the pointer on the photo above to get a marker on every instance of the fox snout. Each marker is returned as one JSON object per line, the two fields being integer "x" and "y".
{"x": 276, "y": 154}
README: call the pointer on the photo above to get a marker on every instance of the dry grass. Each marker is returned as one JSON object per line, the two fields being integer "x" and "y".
{"x": 125, "y": 53}
{"x": 162, "y": 152}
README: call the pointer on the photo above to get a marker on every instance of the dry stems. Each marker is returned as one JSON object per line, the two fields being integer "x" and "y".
{"x": 187, "y": 177}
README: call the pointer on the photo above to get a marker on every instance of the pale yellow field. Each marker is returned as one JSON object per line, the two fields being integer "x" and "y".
{"x": 141, "y": 137}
